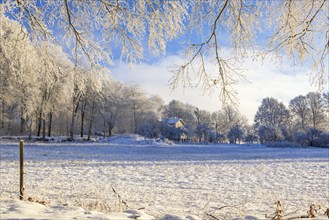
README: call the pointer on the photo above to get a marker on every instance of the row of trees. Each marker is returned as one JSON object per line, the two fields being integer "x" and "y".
{"x": 44, "y": 93}
{"x": 305, "y": 121}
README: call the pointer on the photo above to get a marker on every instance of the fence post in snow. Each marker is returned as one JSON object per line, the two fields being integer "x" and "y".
{"x": 21, "y": 169}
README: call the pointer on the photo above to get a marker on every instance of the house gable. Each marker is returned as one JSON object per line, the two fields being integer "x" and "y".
{"x": 174, "y": 122}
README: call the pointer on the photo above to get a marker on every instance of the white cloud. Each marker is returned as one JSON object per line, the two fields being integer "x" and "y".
{"x": 268, "y": 80}
{"x": 265, "y": 80}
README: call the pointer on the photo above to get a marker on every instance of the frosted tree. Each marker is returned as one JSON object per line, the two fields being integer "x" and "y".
{"x": 250, "y": 135}
{"x": 268, "y": 134}
{"x": 310, "y": 112}
{"x": 126, "y": 23}
{"x": 203, "y": 127}
{"x": 300, "y": 110}
{"x": 178, "y": 109}
{"x": 316, "y": 110}
{"x": 231, "y": 115}
{"x": 272, "y": 121}
{"x": 93, "y": 96}
{"x": 19, "y": 87}
{"x": 294, "y": 29}
{"x": 135, "y": 103}
{"x": 326, "y": 106}
{"x": 175, "y": 108}
{"x": 150, "y": 125}
{"x": 112, "y": 99}
{"x": 271, "y": 113}
{"x": 77, "y": 91}
{"x": 236, "y": 134}
{"x": 53, "y": 70}
{"x": 217, "y": 118}
{"x": 226, "y": 118}
{"x": 157, "y": 104}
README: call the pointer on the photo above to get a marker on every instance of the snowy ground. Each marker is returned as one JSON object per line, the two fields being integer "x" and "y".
{"x": 76, "y": 180}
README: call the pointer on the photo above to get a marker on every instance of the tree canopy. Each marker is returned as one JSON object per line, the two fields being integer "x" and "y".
{"x": 94, "y": 30}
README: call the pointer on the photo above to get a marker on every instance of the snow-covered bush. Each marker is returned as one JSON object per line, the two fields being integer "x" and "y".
{"x": 202, "y": 131}
{"x": 150, "y": 129}
{"x": 301, "y": 138}
{"x": 236, "y": 134}
{"x": 269, "y": 134}
{"x": 312, "y": 137}
{"x": 322, "y": 140}
{"x": 251, "y": 138}
{"x": 214, "y": 137}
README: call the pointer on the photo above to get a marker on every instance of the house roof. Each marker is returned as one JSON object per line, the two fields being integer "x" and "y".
{"x": 172, "y": 120}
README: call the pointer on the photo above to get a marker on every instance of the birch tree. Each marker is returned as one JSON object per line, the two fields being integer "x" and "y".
{"x": 297, "y": 30}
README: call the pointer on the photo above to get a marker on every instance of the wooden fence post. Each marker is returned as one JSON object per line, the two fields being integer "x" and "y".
{"x": 21, "y": 169}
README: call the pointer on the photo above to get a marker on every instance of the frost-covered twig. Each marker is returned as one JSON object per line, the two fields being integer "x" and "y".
{"x": 121, "y": 201}
{"x": 212, "y": 216}
{"x": 326, "y": 213}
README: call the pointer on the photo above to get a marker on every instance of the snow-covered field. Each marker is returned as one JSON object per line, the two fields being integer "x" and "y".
{"x": 76, "y": 180}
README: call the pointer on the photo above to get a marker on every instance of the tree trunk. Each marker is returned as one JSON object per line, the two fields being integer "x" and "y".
{"x": 104, "y": 129}
{"x": 44, "y": 129}
{"x": 23, "y": 125}
{"x": 111, "y": 126}
{"x": 89, "y": 130}
{"x": 2, "y": 115}
{"x": 314, "y": 121}
{"x": 50, "y": 123}
{"x": 30, "y": 128}
{"x": 10, "y": 113}
{"x": 75, "y": 105}
{"x": 39, "y": 124}
{"x": 82, "y": 122}
{"x": 72, "y": 125}
{"x": 74, "y": 112}
{"x": 216, "y": 133}
{"x": 135, "y": 121}
{"x": 91, "y": 119}
{"x": 110, "y": 131}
